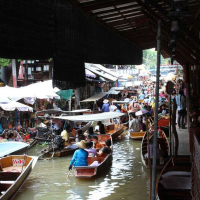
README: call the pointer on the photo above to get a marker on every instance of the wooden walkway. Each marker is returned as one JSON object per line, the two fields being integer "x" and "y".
{"x": 184, "y": 148}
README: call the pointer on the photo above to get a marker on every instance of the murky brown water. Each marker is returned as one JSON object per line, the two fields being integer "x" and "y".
{"x": 126, "y": 179}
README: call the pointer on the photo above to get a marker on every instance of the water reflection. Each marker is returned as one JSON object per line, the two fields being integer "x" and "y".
{"x": 126, "y": 179}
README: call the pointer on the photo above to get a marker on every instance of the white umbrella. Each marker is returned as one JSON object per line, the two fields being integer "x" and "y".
{"x": 11, "y": 106}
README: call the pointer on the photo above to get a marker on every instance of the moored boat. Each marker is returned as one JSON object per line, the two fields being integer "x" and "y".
{"x": 14, "y": 170}
{"x": 137, "y": 135}
{"x": 163, "y": 145}
{"x": 96, "y": 165}
{"x": 174, "y": 181}
{"x": 115, "y": 130}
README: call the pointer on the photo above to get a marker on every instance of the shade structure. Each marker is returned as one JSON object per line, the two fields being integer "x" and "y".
{"x": 95, "y": 97}
{"x": 101, "y": 73}
{"x": 41, "y": 90}
{"x": 7, "y": 148}
{"x": 118, "y": 88}
{"x": 120, "y": 102}
{"x": 59, "y": 111}
{"x": 141, "y": 112}
{"x": 111, "y": 91}
{"x": 13, "y": 105}
{"x": 88, "y": 73}
{"x": 92, "y": 117}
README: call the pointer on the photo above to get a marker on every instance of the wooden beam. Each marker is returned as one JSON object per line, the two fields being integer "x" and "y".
{"x": 126, "y": 13}
{"x": 107, "y": 5}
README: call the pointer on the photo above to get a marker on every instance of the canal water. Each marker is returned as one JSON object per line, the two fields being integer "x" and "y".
{"x": 126, "y": 179}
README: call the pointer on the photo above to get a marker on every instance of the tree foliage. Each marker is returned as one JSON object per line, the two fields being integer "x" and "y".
{"x": 5, "y": 62}
{"x": 150, "y": 58}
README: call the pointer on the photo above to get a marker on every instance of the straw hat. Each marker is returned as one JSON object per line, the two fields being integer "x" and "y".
{"x": 105, "y": 101}
{"x": 82, "y": 144}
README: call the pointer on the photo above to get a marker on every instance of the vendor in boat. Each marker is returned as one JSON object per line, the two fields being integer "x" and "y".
{"x": 91, "y": 151}
{"x": 102, "y": 129}
{"x": 80, "y": 135}
{"x": 163, "y": 110}
{"x": 105, "y": 107}
{"x": 80, "y": 156}
{"x": 134, "y": 106}
{"x": 105, "y": 150}
{"x": 66, "y": 134}
{"x": 91, "y": 132}
{"x": 11, "y": 136}
{"x": 134, "y": 125}
{"x": 97, "y": 145}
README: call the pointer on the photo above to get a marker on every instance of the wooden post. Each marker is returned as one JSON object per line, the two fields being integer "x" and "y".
{"x": 50, "y": 70}
{"x": 26, "y": 74}
{"x": 14, "y": 72}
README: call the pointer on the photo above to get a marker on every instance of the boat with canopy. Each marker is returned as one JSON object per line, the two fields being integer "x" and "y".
{"x": 8, "y": 148}
{"x": 14, "y": 170}
{"x": 112, "y": 129}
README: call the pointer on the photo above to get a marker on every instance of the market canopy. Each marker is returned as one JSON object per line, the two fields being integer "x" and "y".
{"x": 117, "y": 88}
{"x": 113, "y": 92}
{"x": 100, "y": 73}
{"x": 59, "y": 111}
{"x": 40, "y": 90}
{"x": 13, "y": 105}
{"x": 92, "y": 117}
{"x": 95, "y": 97}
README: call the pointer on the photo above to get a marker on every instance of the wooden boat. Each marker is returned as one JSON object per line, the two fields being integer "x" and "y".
{"x": 174, "y": 182}
{"x": 137, "y": 135}
{"x": 31, "y": 142}
{"x": 14, "y": 170}
{"x": 104, "y": 162}
{"x": 64, "y": 152}
{"x": 84, "y": 128}
{"x": 115, "y": 130}
{"x": 163, "y": 146}
{"x": 13, "y": 148}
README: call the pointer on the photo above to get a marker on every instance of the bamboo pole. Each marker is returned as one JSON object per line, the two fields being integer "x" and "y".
{"x": 153, "y": 193}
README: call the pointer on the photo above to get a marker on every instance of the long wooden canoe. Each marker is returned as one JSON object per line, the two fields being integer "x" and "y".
{"x": 14, "y": 170}
{"x": 163, "y": 146}
{"x": 115, "y": 130}
{"x": 104, "y": 162}
{"x": 67, "y": 150}
{"x": 174, "y": 181}
{"x": 137, "y": 135}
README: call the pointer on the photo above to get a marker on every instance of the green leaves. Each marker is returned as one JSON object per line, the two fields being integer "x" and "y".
{"x": 4, "y": 62}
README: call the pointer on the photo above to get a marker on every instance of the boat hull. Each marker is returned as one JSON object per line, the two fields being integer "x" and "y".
{"x": 174, "y": 182}
{"x": 18, "y": 178}
{"x": 92, "y": 171}
{"x": 164, "y": 146}
{"x": 136, "y": 135}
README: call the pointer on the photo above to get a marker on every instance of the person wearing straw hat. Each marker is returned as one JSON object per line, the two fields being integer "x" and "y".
{"x": 105, "y": 107}
{"x": 80, "y": 156}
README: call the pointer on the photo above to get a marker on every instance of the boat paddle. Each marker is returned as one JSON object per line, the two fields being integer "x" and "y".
{"x": 68, "y": 173}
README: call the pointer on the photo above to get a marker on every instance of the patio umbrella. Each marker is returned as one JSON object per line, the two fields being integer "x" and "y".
{"x": 141, "y": 112}
{"x": 11, "y": 106}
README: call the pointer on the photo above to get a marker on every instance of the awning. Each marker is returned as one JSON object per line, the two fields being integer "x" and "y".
{"x": 117, "y": 88}
{"x": 104, "y": 75}
{"x": 95, "y": 97}
{"x": 7, "y": 148}
{"x": 92, "y": 117}
{"x": 113, "y": 92}
{"x": 11, "y": 106}
{"x": 102, "y": 68}
{"x": 120, "y": 102}
{"x": 59, "y": 111}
